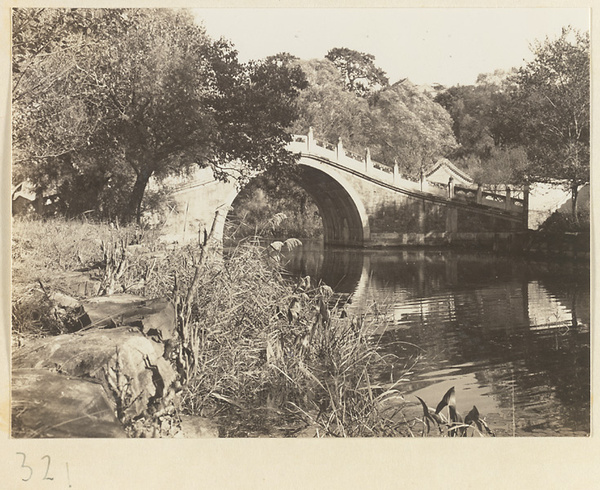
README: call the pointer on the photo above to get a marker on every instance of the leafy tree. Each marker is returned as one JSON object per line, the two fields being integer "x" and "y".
{"x": 501, "y": 165}
{"x": 483, "y": 114}
{"x": 554, "y": 95}
{"x": 398, "y": 123}
{"x": 254, "y": 111}
{"x": 541, "y": 110}
{"x": 409, "y": 128}
{"x": 359, "y": 72}
{"x": 51, "y": 119}
{"x": 131, "y": 94}
{"x": 329, "y": 109}
{"x": 488, "y": 125}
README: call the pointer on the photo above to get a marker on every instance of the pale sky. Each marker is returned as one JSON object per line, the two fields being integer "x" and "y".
{"x": 447, "y": 46}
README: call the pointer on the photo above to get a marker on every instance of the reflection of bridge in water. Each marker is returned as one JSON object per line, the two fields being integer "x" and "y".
{"x": 511, "y": 335}
{"x": 421, "y": 287}
{"x": 362, "y": 202}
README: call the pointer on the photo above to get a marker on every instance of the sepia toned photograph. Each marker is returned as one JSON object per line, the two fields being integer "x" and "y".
{"x": 300, "y": 223}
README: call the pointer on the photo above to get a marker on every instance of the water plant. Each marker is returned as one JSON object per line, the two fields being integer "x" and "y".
{"x": 454, "y": 425}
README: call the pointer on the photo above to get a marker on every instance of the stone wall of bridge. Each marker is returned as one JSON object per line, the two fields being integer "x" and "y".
{"x": 411, "y": 217}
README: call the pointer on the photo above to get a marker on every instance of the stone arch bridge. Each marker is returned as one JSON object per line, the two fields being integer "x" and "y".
{"x": 363, "y": 203}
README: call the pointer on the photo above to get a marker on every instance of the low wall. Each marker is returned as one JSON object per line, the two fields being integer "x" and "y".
{"x": 532, "y": 243}
{"x": 504, "y": 241}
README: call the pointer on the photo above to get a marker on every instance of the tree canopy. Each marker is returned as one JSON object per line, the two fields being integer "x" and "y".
{"x": 409, "y": 128}
{"x": 329, "y": 109}
{"x": 359, "y": 72}
{"x": 398, "y": 123}
{"x": 555, "y": 99}
{"x": 531, "y": 124}
{"x": 112, "y": 97}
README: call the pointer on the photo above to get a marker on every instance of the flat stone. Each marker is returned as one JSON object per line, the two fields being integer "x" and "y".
{"x": 122, "y": 359}
{"x": 194, "y": 427}
{"x": 155, "y": 317}
{"x": 46, "y": 404}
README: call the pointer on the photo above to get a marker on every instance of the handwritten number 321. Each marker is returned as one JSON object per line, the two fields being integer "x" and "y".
{"x": 28, "y": 468}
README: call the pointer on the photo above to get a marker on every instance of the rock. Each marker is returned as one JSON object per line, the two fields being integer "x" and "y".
{"x": 111, "y": 310}
{"x": 194, "y": 427}
{"x": 46, "y": 404}
{"x": 69, "y": 312}
{"x": 64, "y": 301}
{"x": 156, "y": 317}
{"x": 137, "y": 378}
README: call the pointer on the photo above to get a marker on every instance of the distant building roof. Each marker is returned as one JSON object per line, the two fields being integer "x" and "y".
{"x": 443, "y": 170}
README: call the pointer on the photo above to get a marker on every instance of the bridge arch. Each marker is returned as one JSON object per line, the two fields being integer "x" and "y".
{"x": 345, "y": 220}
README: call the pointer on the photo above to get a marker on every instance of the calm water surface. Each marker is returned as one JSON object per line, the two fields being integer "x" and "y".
{"x": 511, "y": 335}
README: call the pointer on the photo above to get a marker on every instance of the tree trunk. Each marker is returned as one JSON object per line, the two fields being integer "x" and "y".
{"x": 134, "y": 210}
{"x": 574, "y": 194}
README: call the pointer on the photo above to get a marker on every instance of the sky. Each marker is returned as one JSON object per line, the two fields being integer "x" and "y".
{"x": 427, "y": 46}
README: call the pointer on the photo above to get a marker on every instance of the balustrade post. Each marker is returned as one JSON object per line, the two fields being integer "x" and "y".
{"x": 479, "y": 199}
{"x": 507, "y": 200}
{"x": 451, "y": 187}
{"x": 340, "y": 149}
{"x": 310, "y": 139}
{"x": 368, "y": 162}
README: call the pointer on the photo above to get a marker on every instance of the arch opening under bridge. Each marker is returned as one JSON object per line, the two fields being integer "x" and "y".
{"x": 345, "y": 220}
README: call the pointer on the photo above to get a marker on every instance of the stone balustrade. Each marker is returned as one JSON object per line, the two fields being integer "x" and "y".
{"x": 513, "y": 200}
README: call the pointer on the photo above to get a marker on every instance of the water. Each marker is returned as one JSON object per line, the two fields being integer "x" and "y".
{"x": 512, "y": 336}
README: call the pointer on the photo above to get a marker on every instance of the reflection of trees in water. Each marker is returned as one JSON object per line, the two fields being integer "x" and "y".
{"x": 550, "y": 374}
{"x": 489, "y": 312}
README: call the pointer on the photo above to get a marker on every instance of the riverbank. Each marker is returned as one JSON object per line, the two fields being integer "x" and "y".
{"x": 228, "y": 338}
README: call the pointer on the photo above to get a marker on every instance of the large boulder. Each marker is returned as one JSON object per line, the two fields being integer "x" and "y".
{"x": 46, "y": 404}
{"x": 123, "y": 360}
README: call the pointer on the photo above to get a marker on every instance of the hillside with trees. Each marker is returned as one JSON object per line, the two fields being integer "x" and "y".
{"x": 531, "y": 124}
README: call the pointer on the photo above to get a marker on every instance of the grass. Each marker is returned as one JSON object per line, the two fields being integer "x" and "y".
{"x": 248, "y": 336}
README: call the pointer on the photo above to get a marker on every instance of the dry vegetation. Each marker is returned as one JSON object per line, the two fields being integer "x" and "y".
{"x": 248, "y": 337}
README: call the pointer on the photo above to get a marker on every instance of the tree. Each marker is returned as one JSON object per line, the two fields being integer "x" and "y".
{"x": 554, "y": 94}
{"x": 359, "y": 72}
{"x": 147, "y": 93}
{"x": 50, "y": 117}
{"x": 254, "y": 111}
{"x": 329, "y": 109}
{"x": 409, "y": 128}
{"x": 487, "y": 125}
{"x": 483, "y": 114}
{"x": 500, "y": 166}
{"x": 398, "y": 123}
